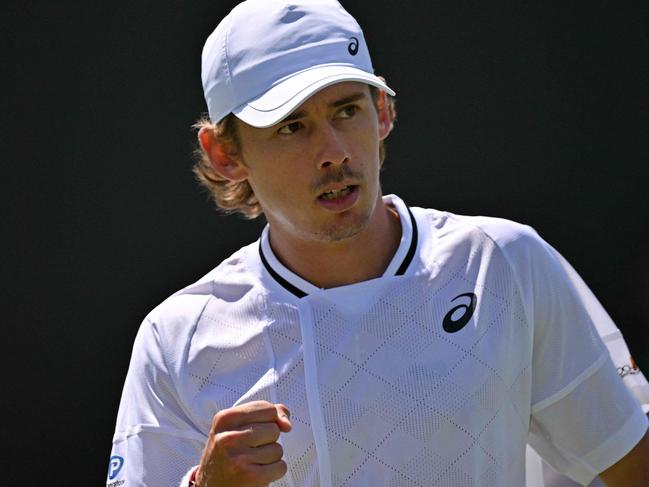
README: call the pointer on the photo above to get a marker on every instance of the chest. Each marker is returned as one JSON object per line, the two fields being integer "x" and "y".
{"x": 434, "y": 366}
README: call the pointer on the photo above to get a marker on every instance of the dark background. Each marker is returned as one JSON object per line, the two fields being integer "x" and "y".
{"x": 527, "y": 111}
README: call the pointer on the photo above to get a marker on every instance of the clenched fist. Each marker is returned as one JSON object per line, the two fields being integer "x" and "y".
{"x": 242, "y": 448}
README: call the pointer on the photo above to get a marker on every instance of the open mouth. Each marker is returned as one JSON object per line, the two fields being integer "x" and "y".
{"x": 337, "y": 193}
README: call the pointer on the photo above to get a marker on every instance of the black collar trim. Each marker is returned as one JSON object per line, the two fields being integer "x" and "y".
{"x": 290, "y": 287}
{"x": 413, "y": 247}
{"x": 400, "y": 271}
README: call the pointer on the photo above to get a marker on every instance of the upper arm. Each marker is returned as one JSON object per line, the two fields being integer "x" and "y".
{"x": 583, "y": 417}
{"x": 155, "y": 441}
{"x": 632, "y": 470}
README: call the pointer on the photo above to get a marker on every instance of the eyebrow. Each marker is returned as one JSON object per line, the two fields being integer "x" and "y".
{"x": 334, "y": 104}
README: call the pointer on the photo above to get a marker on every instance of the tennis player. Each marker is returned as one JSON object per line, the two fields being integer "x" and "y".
{"x": 359, "y": 341}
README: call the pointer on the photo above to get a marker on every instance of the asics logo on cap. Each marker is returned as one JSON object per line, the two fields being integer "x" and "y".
{"x": 353, "y": 46}
{"x": 453, "y": 323}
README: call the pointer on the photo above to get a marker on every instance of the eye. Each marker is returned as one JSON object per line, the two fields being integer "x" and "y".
{"x": 348, "y": 111}
{"x": 289, "y": 128}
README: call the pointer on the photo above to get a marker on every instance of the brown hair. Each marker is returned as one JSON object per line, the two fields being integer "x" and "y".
{"x": 238, "y": 197}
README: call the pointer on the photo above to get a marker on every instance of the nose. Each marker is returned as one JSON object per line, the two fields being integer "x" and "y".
{"x": 332, "y": 149}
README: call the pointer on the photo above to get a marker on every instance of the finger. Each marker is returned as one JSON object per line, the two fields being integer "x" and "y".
{"x": 258, "y": 434}
{"x": 266, "y": 454}
{"x": 270, "y": 473}
{"x": 284, "y": 418}
{"x": 244, "y": 414}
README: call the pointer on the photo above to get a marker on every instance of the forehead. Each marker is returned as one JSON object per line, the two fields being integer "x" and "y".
{"x": 333, "y": 93}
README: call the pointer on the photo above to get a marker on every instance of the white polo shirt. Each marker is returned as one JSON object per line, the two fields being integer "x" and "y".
{"x": 478, "y": 338}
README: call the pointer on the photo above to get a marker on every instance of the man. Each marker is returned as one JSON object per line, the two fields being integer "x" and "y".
{"x": 359, "y": 342}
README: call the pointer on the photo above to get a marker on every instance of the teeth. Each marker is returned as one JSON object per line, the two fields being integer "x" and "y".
{"x": 336, "y": 193}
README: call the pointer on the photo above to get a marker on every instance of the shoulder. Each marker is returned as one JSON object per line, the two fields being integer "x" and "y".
{"x": 174, "y": 320}
{"x": 514, "y": 239}
{"x": 453, "y": 241}
{"x": 503, "y": 232}
{"x": 517, "y": 241}
{"x": 233, "y": 277}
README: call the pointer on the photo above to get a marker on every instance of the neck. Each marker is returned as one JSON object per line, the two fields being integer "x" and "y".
{"x": 359, "y": 258}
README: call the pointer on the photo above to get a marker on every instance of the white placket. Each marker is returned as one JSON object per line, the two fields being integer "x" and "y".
{"x": 313, "y": 393}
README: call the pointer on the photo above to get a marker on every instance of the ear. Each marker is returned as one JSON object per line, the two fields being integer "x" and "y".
{"x": 386, "y": 122}
{"x": 220, "y": 154}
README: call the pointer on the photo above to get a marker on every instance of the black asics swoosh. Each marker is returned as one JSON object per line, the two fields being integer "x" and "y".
{"x": 449, "y": 324}
{"x": 353, "y": 46}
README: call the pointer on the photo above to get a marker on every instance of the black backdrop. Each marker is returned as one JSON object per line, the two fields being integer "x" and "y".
{"x": 521, "y": 110}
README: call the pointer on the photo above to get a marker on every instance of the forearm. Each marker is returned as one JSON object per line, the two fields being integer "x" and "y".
{"x": 632, "y": 470}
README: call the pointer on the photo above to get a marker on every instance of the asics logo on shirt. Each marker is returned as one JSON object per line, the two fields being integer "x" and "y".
{"x": 459, "y": 316}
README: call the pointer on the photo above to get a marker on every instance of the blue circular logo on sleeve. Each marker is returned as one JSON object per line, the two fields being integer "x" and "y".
{"x": 114, "y": 466}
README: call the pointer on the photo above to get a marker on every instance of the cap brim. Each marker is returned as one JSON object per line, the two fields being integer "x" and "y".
{"x": 287, "y": 95}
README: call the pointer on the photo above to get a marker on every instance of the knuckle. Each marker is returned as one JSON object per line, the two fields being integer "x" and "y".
{"x": 277, "y": 450}
{"x": 220, "y": 417}
{"x": 271, "y": 432}
{"x": 240, "y": 464}
{"x": 227, "y": 439}
{"x": 255, "y": 405}
{"x": 265, "y": 429}
{"x": 282, "y": 468}
{"x": 241, "y": 474}
{"x": 242, "y": 469}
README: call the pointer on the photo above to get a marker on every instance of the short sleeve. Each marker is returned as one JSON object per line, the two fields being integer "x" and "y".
{"x": 155, "y": 442}
{"x": 538, "y": 474}
{"x": 583, "y": 417}
{"x": 632, "y": 376}
{"x": 586, "y": 431}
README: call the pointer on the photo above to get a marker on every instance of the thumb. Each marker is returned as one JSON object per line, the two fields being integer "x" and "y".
{"x": 283, "y": 418}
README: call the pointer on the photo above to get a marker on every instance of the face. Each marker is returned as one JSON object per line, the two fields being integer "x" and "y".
{"x": 316, "y": 173}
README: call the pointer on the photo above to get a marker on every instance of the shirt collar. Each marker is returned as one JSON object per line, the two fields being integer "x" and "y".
{"x": 398, "y": 265}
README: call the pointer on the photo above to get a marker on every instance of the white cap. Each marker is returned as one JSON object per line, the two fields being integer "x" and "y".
{"x": 266, "y": 57}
